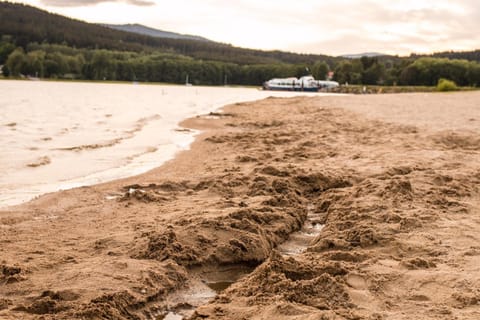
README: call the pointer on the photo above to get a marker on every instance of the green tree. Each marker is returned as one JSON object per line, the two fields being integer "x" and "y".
{"x": 375, "y": 74}
{"x": 368, "y": 62}
{"x": 349, "y": 72}
{"x": 103, "y": 65}
{"x": 320, "y": 70}
{"x": 16, "y": 62}
{"x": 343, "y": 71}
{"x": 55, "y": 65}
{"x": 6, "y": 48}
{"x": 473, "y": 74}
{"x": 35, "y": 63}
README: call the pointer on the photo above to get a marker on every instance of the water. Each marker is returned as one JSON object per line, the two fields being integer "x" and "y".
{"x": 173, "y": 316}
{"x": 183, "y": 302}
{"x": 59, "y": 135}
{"x": 300, "y": 240}
{"x": 222, "y": 277}
{"x": 205, "y": 284}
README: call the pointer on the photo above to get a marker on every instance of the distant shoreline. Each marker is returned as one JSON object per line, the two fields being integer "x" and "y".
{"x": 343, "y": 89}
{"x": 125, "y": 82}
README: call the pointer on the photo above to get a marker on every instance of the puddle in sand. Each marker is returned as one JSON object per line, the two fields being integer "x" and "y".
{"x": 220, "y": 285}
{"x": 211, "y": 280}
{"x": 207, "y": 283}
{"x": 172, "y": 316}
{"x": 299, "y": 241}
{"x": 220, "y": 278}
{"x": 181, "y": 304}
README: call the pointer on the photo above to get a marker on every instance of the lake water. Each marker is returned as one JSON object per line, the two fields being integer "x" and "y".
{"x": 59, "y": 135}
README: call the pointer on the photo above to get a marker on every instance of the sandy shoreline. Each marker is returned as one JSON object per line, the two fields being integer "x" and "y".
{"x": 396, "y": 186}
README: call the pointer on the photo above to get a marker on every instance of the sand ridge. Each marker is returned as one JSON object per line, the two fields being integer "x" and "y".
{"x": 399, "y": 204}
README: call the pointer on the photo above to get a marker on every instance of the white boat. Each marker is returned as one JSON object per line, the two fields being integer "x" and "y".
{"x": 306, "y": 83}
{"x": 328, "y": 84}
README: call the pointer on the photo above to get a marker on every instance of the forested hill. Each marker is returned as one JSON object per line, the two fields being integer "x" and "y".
{"x": 26, "y": 24}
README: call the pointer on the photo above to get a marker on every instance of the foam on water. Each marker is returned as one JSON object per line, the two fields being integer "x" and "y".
{"x": 59, "y": 135}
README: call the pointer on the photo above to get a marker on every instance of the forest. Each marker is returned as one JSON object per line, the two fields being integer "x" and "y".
{"x": 26, "y": 24}
{"x": 40, "y": 44}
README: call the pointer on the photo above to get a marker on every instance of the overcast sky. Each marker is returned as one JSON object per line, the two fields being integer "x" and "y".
{"x": 331, "y": 27}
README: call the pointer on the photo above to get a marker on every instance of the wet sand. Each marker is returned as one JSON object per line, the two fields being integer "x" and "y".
{"x": 391, "y": 182}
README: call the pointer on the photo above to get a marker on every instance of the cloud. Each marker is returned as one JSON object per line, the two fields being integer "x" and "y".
{"x": 331, "y": 27}
{"x": 410, "y": 26}
{"x": 83, "y": 3}
{"x": 141, "y": 3}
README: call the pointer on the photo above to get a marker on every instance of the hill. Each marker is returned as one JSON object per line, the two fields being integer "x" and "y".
{"x": 26, "y": 24}
{"x": 144, "y": 30}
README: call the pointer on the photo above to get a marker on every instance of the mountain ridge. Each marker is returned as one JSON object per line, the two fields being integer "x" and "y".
{"x": 363, "y": 54}
{"x": 153, "y": 32}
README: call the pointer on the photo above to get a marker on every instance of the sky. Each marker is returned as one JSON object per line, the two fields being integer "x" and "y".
{"x": 333, "y": 27}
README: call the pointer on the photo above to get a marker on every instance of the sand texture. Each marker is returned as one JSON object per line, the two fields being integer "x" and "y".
{"x": 392, "y": 182}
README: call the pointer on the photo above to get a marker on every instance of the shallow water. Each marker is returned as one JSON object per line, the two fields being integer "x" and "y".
{"x": 300, "y": 240}
{"x": 172, "y": 316}
{"x": 59, "y": 135}
{"x": 222, "y": 277}
{"x": 207, "y": 282}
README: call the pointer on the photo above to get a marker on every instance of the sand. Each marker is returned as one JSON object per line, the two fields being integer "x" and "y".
{"x": 392, "y": 181}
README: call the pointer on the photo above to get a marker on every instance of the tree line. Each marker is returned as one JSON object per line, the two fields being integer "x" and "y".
{"x": 423, "y": 71}
{"x": 62, "y": 61}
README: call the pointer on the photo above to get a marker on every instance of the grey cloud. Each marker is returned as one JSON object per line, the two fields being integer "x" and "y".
{"x": 141, "y": 3}
{"x": 83, "y": 3}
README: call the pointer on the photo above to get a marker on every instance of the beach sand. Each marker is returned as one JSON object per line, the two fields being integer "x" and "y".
{"x": 393, "y": 179}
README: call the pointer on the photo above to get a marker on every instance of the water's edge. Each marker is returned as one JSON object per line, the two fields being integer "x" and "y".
{"x": 16, "y": 188}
